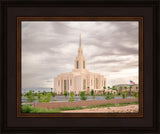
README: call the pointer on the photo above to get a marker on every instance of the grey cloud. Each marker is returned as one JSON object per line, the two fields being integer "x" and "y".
{"x": 58, "y": 42}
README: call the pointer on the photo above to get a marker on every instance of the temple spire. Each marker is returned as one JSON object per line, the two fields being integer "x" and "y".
{"x": 80, "y": 41}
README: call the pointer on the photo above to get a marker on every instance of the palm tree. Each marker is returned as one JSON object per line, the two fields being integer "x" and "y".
{"x": 125, "y": 87}
{"x": 121, "y": 89}
{"x": 108, "y": 87}
{"x": 113, "y": 88}
{"x": 88, "y": 90}
{"x": 130, "y": 87}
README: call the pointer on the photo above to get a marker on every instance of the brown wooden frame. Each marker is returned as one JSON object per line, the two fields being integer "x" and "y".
{"x": 139, "y": 114}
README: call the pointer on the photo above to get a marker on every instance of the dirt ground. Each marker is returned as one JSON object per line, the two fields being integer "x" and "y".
{"x": 119, "y": 109}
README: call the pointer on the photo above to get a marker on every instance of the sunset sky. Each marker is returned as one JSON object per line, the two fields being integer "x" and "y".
{"x": 50, "y": 48}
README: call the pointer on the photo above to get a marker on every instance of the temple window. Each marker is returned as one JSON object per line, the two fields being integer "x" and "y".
{"x": 84, "y": 64}
{"x": 65, "y": 85}
{"x": 84, "y": 84}
{"x": 96, "y": 83}
{"x": 77, "y": 64}
{"x": 58, "y": 82}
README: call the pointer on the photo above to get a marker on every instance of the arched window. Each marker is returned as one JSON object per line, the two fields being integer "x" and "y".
{"x": 65, "y": 85}
{"x": 77, "y": 64}
{"x": 96, "y": 83}
{"x": 70, "y": 82}
{"x": 84, "y": 84}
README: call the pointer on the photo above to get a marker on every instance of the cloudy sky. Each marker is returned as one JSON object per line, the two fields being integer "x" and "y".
{"x": 50, "y": 48}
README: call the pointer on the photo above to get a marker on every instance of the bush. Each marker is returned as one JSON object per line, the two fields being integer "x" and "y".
{"x": 35, "y": 94}
{"x": 83, "y": 96}
{"x": 44, "y": 93}
{"x": 92, "y": 92}
{"x": 124, "y": 95}
{"x": 44, "y": 98}
{"x": 109, "y": 96}
{"x": 136, "y": 95}
{"x": 119, "y": 93}
{"x": 26, "y": 109}
{"x": 72, "y": 97}
{"x": 30, "y": 96}
{"x": 65, "y": 93}
{"x": 29, "y": 109}
{"x": 53, "y": 94}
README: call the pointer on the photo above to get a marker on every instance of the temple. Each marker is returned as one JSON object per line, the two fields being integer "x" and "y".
{"x": 80, "y": 79}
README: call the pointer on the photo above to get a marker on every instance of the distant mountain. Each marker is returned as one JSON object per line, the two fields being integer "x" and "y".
{"x": 36, "y": 89}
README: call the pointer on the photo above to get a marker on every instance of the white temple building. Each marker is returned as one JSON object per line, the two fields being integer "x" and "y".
{"x": 80, "y": 79}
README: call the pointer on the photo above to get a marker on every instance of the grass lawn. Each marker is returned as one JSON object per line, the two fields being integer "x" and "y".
{"x": 30, "y": 109}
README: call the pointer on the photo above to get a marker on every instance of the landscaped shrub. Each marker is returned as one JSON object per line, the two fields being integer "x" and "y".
{"x": 72, "y": 97}
{"x": 83, "y": 96}
{"x": 92, "y": 92}
{"x": 136, "y": 95}
{"x": 29, "y": 109}
{"x": 119, "y": 93}
{"x": 30, "y": 96}
{"x": 53, "y": 94}
{"x": 26, "y": 109}
{"x": 39, "y": 95}
{"x": 44, "y": 98}
{"x": 123, "y": 95}
{"x": 44, "y": 93}
{"x": 65, "y": 94}
{"x": 109, "y": 96}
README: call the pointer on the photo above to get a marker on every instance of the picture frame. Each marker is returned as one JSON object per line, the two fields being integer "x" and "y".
{"x": 117, "y": 19}
{"x": 13, "y": 121}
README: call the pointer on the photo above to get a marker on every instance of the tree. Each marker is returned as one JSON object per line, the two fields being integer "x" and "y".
{"x": 30, "y": 96}
{"x": 35, "y": 94}
{"x": 123, "y": 95}
{"x": 44, "y": 93}
{"x": 109, "y": 96}
{"x": 53, "y": 94}
{"x": 137, "y": 95}
{"x": 92, "y": 92}
{"x": 130, "y": 88}
{"x": 125, "y": 88}
{"x": 72, "y": 97}
{"x": 83, "y": 96}
{"x": 120, "y": 89}
{"x": 113, "y": 88}
{"x": 108, "y": 87}
{"x": 51, "y": 90}
{"x": 65, "y": 94}
{"x": 45, "y": 98}
{"x": 88, "y": 90}
{"x": 104, "y": 90}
